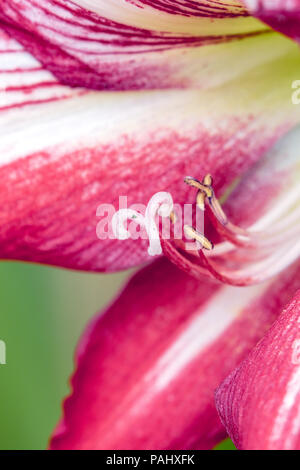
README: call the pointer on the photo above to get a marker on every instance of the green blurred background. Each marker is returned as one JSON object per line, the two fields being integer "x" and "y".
{"x": 43, "y": 312}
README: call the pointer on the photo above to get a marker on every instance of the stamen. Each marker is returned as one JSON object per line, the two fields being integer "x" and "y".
{"x": 246, "y": 257}
{"x": 160, "y": 204}
{"x": 201, "y": 196}
{"x": 233, "y": 233}
{"x": 192, "y": 233}
{"x": 203, "y": 187}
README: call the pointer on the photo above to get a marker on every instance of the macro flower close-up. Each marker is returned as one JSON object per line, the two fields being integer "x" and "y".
{"x": 159, "y": 138}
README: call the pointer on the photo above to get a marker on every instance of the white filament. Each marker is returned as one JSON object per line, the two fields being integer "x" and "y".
{"x": 119, "y": 220}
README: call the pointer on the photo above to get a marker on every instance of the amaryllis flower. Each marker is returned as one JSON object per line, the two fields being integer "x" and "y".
{"x": 108, "y": 98}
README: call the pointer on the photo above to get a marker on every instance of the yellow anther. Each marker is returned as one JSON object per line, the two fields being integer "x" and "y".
{"x": 192, "y": 233}
{"x": 193, "y": 182}
{"x": 201, "y": 200}
{"x": 208, "y": 181}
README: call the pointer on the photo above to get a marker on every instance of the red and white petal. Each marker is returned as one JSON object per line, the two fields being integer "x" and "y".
{"x": 182, "y": 16}
{"x": 147, "y": 368}
{"x": 64, "y": 152}
{"x": 121, "y": 45}
{"x": 281, "y": 15}
{"x": 23, "y": 81}
{"x": 259, "y": 403}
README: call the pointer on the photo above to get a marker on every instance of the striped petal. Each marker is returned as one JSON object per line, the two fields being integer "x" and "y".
{"x": 259, "y": 403}
{"x": 24, "y": 82}
{"x": 281, "y": 15}
{"x": 64, "y": 152}
{"x": 147, "y": 368}
{"x": 122, "y": 45}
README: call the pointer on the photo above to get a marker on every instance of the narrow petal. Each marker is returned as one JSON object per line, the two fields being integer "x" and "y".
{"x": 122, "y": 45}
{"x": 259, "y": 403}
{"x": 282, "y": 15}
{"x": 147, "y": 368}
{"x": 64, "y": 152}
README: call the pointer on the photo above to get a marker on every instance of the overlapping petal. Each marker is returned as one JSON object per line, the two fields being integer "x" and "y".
{"x": 259, "y": 403}
{"x": 147, "y": 368}
{"x": 24, "y": 82}
{"x": 121, "y": 45}
{"x": 63, "y": 151}
{"x": 281, "y": 15}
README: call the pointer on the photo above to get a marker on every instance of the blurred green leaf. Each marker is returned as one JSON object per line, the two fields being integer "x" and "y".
{"x": 43, "y": 311}
{"x": 226, "y": 445}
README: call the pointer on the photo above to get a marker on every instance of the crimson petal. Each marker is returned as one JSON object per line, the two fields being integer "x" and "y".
{"x": 147, "y": 368}
{"x": 123, "y": 45}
